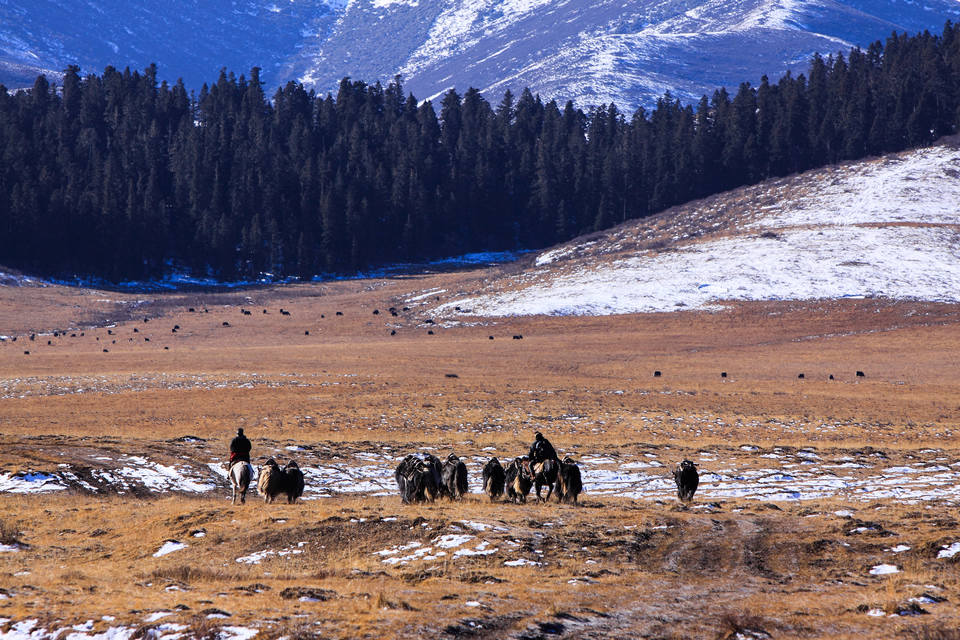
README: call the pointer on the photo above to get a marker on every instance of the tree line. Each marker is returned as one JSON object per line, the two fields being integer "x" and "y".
{"x": 115, "y": 176}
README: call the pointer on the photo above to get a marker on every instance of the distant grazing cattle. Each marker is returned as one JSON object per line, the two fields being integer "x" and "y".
{"x": 451, "y": 375}
{"x": 518, "y": 479}
{"x": 174, "y": 330}
{"x": 109, "y": 333}
{"x": 406, "y": 308}
{"x": 284, "y": 312}
{"x": 166, "y": 348}
{"x": 860, "y": 374}
{"x": 376, "y": 312}
{"x": 453, "y": 476}
{"x": 800, "y": 377}
{"x": 306, "y": 333}
{"x": 418, "y": 478}
{"x": 135, "y": 330}
{"x": 430, "y": 333}
{"x": 146, "y": 339}
{"x": 723, "y": 374}
{"x": 493, "y": 479}
{"x": 26, "y": 353}
{"x": 518, "y": 337}
{"x": 226, "y": 324}
{"x": 656, "y": 374}
{"x": 490, "y": 337}
{"x": 831, "y": 376}
{"x": 339, "y": 313}
{"x": 49, "y": 342}
{"x": 687, "y": 479}
{"x": 246, "y": 312}
{"x": 146, "y": 320}
{"x": 456, "y": 308}
{"x": 192, "y": 310}
{"x": 264, "y": 311}
{"x": 569, "y": 482}
{"x": 33, "y": 337}
{"x": 393, "y": 332}
{"x": 106, "y": 351}
{"x": 428, "y": 321}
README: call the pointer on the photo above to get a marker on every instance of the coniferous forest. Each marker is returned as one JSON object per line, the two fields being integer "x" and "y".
{"x": 120, "y": 177}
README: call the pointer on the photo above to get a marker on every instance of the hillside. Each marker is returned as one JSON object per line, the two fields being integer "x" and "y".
{"x": 882, "y": 228}
{"x": 593, "y": 51}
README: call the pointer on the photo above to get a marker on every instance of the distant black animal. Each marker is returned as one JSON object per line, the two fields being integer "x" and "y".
{"x": 430, "y": 333}
{"x": 284, "y": 312}
{"x": 490, "y": 337}
{"x": 192, "y": 310}
{"x": 519, "y": 479}
{"x": 493, "y": 479}
{"x": 339, "y": 313}
{"x": 687, "y": 479}
{"x": 454, "y": 478}
{"x": 306, "y": 333}
{"x": 831, "y": 376}
{"x": 416, "y": 480}
{"x": 569, "y": 482}
{"x": 723, "y": 374}
{"x": 800, "y": 377}
{"x": 376, "y": 312}
{"x": 264, "y": 311}
{"x": 656, "y": 374}
{"x": 135, "y": 330}
{"x": 292, "y": 482}
{"x": 860, "y": 374}
{"x": 393, "y": 332}
{"x": 226, "y": 324}
{"x": 518, "y": 337}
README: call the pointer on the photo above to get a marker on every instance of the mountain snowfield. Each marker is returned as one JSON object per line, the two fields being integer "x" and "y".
{"x": 886, "y": 228}
{"x": 591, "y": 51}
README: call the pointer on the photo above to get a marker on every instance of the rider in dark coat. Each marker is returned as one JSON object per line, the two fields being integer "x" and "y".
{"x": 240, "y": 448}
{"x": 541, "y": 450}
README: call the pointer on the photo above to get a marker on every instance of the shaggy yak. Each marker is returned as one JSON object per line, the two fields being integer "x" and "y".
{"x": 454, "y": 478}
{"x": 270, "y": 480}
{"x": 687, "y": 479}
{"x": 569, "y": 483}
{"x": 292, "y": 481}
{"x": 493, "y": 479}
{"x": 545, "y": 473}
{"x": 418, "y": 478}
{"x": 519, "y": 479}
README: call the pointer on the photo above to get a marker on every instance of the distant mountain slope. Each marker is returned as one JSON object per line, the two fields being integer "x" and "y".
{"x": 592, "y": 51}
{"x": 597, "y": 51}
{"x": 188, "y": 38}
{"x": 886, "y": 228}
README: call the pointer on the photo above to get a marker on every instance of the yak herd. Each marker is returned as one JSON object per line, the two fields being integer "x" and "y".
{"x": 424, "y": 477}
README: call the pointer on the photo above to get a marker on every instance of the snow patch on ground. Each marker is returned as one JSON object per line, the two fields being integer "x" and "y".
{"x": 169, "y": 547}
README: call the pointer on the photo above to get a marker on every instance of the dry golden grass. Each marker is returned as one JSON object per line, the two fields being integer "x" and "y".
{"x": 639, "y": 568}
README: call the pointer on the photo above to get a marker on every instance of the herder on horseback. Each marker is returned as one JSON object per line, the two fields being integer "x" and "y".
{"x": 241, "y": 471}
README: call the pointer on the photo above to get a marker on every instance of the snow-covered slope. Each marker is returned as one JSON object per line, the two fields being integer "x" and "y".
{"x": 597, "y": 51}
{"x": 887, "y": 228}
{"x": 591, "y": 51}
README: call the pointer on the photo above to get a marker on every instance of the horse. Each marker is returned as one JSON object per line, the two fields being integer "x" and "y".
{"x": 240, "y": 475}
{"x": 545, "y": 473}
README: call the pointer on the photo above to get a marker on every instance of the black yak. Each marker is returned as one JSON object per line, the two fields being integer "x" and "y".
{"x": 569, "y": 482}
{"x": 454, "y": 477}
{"x": 687, "y": 479}
{"x": 417, "y": 480}
{"x": 292, "y": 482}
{"x": 493, "y": 479}
{"x": 519, "y": 479}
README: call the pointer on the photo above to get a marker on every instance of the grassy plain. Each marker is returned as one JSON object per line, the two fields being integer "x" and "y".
{"x": 614, "y": 567}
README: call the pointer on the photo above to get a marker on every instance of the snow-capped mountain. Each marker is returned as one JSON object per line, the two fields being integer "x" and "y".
{"x": 597, "y": 51}
{"x": 592, "y": 51}
{"x": 192, "y": 39}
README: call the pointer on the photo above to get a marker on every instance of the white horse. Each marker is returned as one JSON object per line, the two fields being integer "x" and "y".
{"x": 241, "y": 473}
